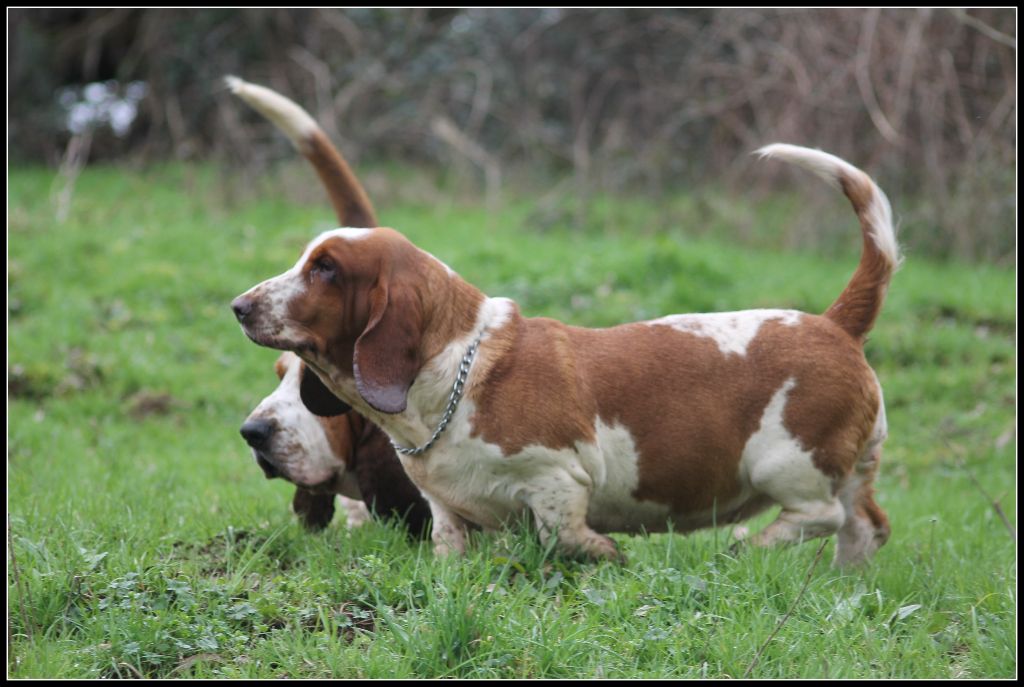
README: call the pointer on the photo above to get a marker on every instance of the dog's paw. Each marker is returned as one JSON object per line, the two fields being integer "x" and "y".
{"x": 601, "y": 548}
{"x": 445, "y": 549}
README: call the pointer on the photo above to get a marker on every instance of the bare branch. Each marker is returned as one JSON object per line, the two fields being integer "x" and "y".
{"x": 864, "y": 79}
{"x": 446, "y": 130}
{"x": 979, "y": 25}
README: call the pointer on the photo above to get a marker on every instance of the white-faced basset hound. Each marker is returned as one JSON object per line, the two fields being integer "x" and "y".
{"x": 345, "y": 455}
{"x": 689, "y": 419}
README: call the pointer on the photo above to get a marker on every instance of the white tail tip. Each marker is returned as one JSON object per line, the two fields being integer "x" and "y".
{"x": 288, "y": 116}
{"x": 834, "y": 171}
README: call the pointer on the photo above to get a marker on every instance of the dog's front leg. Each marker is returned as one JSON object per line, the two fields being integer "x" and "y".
{"x": 448, "y": 531}
{"x": 560, "y": 508}
{"x": 314, "y": 510}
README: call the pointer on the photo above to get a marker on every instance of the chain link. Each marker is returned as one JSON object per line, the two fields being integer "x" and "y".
{"x": 453, "y": 402}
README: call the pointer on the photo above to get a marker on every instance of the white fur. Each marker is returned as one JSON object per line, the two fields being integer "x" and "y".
{"x": 732, "y": 331}
{"x": 774, "y": 463}
{"x": 474, "y": 480}
{"x": 300, "y": 448}
{"x": 832, "y": 169}
{"x": 294, "y": 121}
{"x": 773, "y": 455}
{"x": 276, "y": 294}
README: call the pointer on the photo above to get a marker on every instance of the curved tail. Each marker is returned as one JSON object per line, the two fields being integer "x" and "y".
{"x": 346, "y": 193}
{"x": 858, "y": 305}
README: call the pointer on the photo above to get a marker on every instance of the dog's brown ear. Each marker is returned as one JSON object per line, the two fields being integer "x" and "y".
{"x": 317, "y": 398}
{"x": 314, "y": 510}
{"x": 387, "y": 354}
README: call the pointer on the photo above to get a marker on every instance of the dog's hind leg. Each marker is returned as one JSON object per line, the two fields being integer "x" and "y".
{"x": 801, "y": 520}
{"x": 781, "y": 469}
{"x": 810, "y": 506}
{"x": 866, "y": 528}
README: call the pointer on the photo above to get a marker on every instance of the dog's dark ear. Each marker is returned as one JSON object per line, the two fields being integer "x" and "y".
{"x": 314, "y": 510}
{"x": 387, "y": 354}
{"x": 317, "y": 398}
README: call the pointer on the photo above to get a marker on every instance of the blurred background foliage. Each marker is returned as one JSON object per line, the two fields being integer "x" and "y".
{"x": 641, "y": 103}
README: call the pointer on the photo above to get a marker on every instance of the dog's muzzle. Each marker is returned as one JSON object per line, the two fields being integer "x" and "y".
{"x": 242, "y": 307}
{"x": 258, "y": 433}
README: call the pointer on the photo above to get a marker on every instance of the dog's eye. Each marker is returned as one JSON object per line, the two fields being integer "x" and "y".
{"x": 323, "y": 268}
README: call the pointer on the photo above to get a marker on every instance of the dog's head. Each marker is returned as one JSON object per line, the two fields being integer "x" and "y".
{"x": 313, "y": 453}
{"x": 354, "y": 307}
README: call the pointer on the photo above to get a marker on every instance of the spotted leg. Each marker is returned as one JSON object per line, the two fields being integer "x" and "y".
{"x": 560, "y": 509}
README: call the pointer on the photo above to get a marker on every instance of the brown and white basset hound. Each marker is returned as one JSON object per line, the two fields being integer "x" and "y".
{"x": 344, "y": 456}
{"x": 690, "y": 419}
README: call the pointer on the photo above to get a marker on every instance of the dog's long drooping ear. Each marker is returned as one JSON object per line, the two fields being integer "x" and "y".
{"x": 387, "y": 354}
{"x": 314, "y": 510}
{"x": 317, "y": 398}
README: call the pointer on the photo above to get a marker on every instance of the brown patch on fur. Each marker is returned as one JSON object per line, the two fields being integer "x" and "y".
{"x": 386, "y": 489}
{"x": 314, "y": 509}
{"x": 350, "y": 201}
{"x": 340, "y": 436}
{"x": 860, "y": 302}
{"x": 527, "y": 371}
{"x": 388, "y": 308}
{"x": 690, "y": 408}
{"x": 864, "y": 499}
{"x": 281, "y": 365}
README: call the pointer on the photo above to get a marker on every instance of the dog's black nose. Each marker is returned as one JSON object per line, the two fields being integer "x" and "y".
{"x": 242, "y": 307}
{"x": 257, "y": 433}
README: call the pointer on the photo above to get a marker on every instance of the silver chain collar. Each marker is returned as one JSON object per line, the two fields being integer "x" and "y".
{"x": 453, "y": 402}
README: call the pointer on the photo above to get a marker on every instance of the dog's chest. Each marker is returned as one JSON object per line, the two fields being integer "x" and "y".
{"x": 474, "y": 479}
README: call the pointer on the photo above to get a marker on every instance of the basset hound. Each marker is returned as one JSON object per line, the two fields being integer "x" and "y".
{"x": 344, "y": 456}
{"x": 692, "y": 419}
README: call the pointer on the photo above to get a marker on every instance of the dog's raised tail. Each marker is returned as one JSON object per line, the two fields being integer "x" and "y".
{"x": 350, "y": 201}
{"x": 860, "y": 302}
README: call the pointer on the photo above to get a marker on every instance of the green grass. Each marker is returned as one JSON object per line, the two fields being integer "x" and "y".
{"x": 146, "y": 542}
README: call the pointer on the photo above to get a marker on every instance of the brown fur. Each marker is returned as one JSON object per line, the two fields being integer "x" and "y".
{"x": 314, "y": 508}
{"x": 388, "y": 308}
{"x": 347, "y": 195}
{"x": 860, "y": 302}
{"x": 690, "y": 408}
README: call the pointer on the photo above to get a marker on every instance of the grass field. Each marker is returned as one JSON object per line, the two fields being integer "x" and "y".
{"x": 144, "y": 541}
